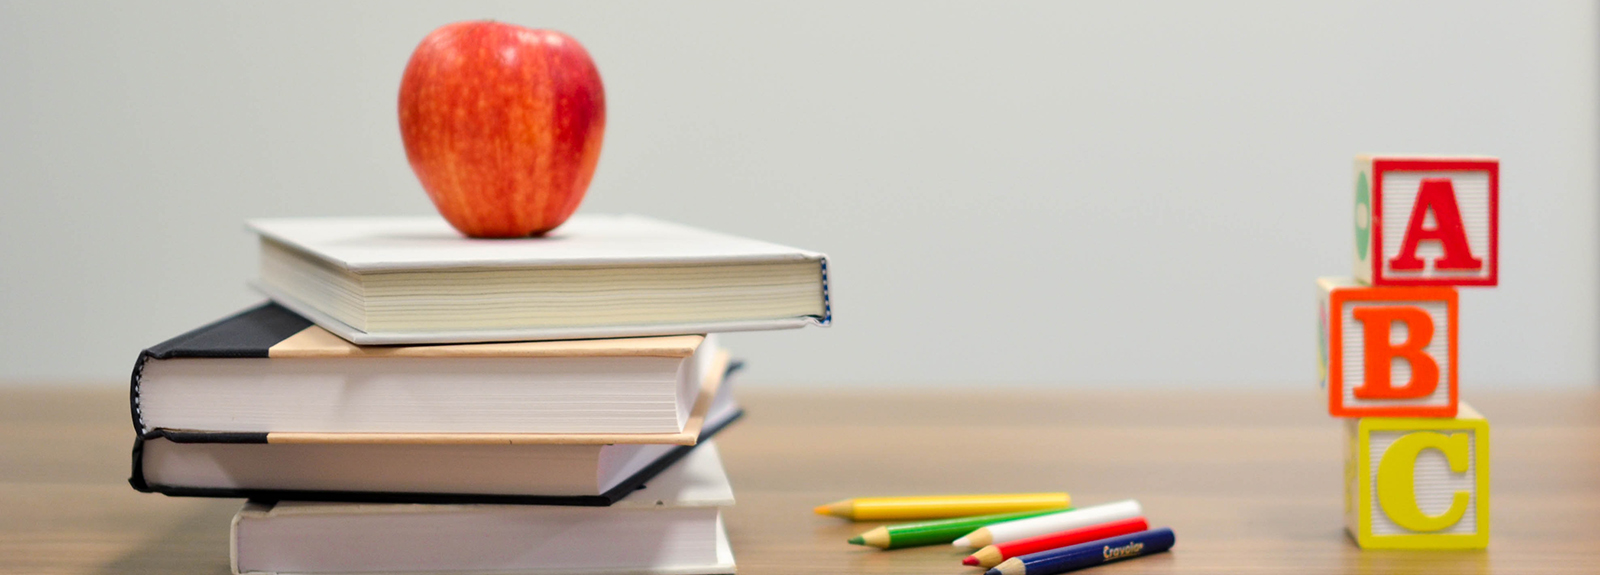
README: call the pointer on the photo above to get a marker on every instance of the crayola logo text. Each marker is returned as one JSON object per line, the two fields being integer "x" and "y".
{"x": 1128, "y": 550}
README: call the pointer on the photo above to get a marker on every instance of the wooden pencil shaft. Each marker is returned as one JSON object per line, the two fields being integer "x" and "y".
{"x": 943, "y": 506}
{"x": 994, "y": 554}
{"x": 1092, "y": 553}
{"x": 1076, "y": 519}
{"x": 946, "y": 530}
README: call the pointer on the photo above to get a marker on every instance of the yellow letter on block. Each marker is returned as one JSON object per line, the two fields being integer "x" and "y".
{"x": 1418, "y": 483}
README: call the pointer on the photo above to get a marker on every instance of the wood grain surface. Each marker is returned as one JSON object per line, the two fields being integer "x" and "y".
{"x": 1248, "y": 480}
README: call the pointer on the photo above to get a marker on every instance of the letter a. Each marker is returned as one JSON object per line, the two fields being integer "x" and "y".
{"x": 1437, "y": 195}
{"x": 1379, "y": 352}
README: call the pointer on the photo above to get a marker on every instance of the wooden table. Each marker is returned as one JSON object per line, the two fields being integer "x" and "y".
{"x": 1250, "y": 481}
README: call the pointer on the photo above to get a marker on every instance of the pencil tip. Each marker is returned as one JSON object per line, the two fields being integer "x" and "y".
{"x": 962, "y": 542}
{"x": 836, "y": 509}
{"x": 970, "y": 561}
{"x": 993, "y": 571}
{"x": 857, "y": 540}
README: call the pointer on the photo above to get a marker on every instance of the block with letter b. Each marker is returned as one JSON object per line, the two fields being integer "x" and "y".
{"x": 1418, "y": 483}
{"x": 1427, "y": 221}
{"x": 1388, "y": 351}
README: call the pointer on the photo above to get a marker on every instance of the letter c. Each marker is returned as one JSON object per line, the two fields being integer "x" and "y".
{"x": 1396, "y": 479}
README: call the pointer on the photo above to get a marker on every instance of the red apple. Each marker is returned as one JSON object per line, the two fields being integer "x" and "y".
{"x": 503, "y": 126}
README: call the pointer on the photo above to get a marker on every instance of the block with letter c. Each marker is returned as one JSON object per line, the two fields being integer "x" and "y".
{"x": 1418, "y": 483}
{"x": 1388, "y": 351}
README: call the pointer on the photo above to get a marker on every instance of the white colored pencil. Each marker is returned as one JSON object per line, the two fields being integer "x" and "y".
{"x": 1035, "y": 526}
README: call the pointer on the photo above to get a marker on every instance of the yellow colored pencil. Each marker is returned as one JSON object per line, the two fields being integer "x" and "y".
{"x": 941, "y": 506}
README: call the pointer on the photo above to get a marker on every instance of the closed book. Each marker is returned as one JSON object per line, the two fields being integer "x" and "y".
{"x": 416, "y": 280}
{"x": 672, "y": 526}
{"x": 582, "y": 471}
{"x": 268, "y": 372}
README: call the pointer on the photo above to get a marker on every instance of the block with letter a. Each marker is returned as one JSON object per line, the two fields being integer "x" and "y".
{"x": 1418, "y": 483}
{"x": 1427, "y": 221}
{"x": 1388, "y": 351}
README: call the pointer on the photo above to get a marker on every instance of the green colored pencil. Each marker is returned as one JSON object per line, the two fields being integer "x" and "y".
{"x": 938, "y": 532}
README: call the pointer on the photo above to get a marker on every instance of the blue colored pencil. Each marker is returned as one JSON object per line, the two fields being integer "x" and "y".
{"x": 1087, "y": 554}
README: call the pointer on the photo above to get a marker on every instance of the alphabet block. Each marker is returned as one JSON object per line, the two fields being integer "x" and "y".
{"x": 1388, "y": 351}
{"x": 1427, "y": 221}
{"x": 1418, "y": 483}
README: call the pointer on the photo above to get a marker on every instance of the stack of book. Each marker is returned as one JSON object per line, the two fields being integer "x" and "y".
{"x": 414, "y": 401}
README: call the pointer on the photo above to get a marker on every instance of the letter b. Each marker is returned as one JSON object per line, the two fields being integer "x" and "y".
{"x": 1370, "y": 374}
{"x": 1380, "y": 353}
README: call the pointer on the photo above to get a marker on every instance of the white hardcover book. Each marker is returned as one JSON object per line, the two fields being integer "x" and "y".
{"x": 416, "y": 280}
{"x": 267, "y": 371}
{"x": 671, "y": 526}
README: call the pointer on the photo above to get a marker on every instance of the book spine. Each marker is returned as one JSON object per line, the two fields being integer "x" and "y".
{"x": 136, "y": 477}
{"x": 827, "y": 298}
{"x": 133, "y": 392}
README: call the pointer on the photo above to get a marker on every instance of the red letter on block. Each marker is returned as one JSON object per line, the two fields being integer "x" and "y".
{"x": 1437, "y": 195}
{"x": 1380, "y": 353}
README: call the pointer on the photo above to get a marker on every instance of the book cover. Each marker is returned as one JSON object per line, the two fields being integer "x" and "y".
{"x": 384, "y": 281}
{"x": 662, "y": 415}
{"x": 671, "y": 525}
{"x": 271, "y": 331}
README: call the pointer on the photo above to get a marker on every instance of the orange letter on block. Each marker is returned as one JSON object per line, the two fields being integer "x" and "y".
{"x": 1437, "y": 195}
{"x": 1380, "y": 353}
{"x": 1362, "y": 327}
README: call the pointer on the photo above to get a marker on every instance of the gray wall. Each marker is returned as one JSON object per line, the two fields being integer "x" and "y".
{"x": 1075, "y": 193}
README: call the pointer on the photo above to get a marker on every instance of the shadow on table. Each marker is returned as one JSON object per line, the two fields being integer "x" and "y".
{"x": 1417, "y": 562}
{"x": 197, "y": 544}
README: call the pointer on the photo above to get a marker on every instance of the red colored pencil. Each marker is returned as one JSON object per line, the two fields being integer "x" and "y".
{"x": 994, "y": 554}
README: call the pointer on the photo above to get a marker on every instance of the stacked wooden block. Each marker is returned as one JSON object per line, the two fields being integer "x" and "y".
{"x": 1416, "y": 457}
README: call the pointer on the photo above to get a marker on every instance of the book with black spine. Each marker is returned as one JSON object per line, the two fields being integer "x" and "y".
{"x": 249, "y": 363}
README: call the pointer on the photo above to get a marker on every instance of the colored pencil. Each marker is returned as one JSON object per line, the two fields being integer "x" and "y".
{"x": 1087, "y": 554}
{"x": 1036, "y": 526}
{"x": 935, "y": 532}
{"x": 942, "y": 506}
{"x": 994, "y": 554}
